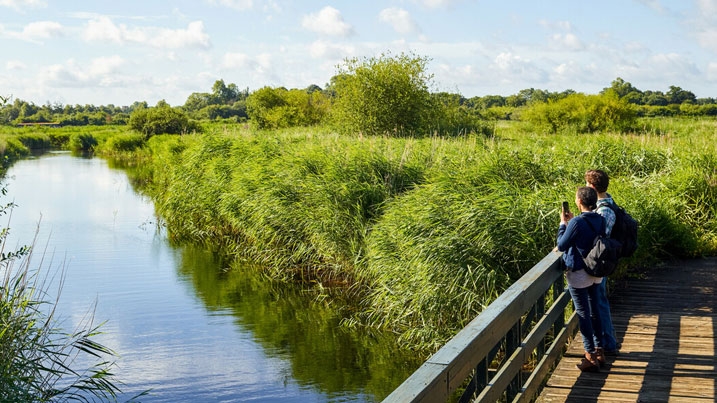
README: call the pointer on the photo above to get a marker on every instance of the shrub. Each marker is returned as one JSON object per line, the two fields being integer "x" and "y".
{"x": 82, "y": 142}
{"x": 161, "y": 119}
{"x": 383, "y": 95}
{"x": 583, "y": 114}
{"x": 277, "y": 108}
{"x": 125, "y": 142}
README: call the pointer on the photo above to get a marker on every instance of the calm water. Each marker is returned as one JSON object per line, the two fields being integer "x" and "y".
{"x": 184, "y": 327}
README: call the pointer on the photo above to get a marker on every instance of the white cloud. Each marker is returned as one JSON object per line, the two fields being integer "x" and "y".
{"x": 235, "y": 61}
{"x": 566, "y": 41}
{"x": 511, "y": 68}
{"x": 235, "y": 4}
{"x": 653, "y": 4}
{"x": 327, "y": 50}
{"x": 572, "y": 71}
{"x": 99, "y": 72}
{"x": 193, "y": 36}
{"x": 707, "y": 8}
{"x": 42, "y": 30}
{"x": 260, "y": 63}
{"x": 20, "y": 5}
{"x": 399, "y": 19}
{"x": 105, "y": 65}
{"x": 35, "y": 31}
{"x": 437, "y": 3}
{"x": 103, "y": 29}
{"x": 704, "y": 24}
{"x": 14, "y": 65}
{"x": 672, "y": 65}
{"x": 712, "y": 71}
{"x": 328, "y": 21}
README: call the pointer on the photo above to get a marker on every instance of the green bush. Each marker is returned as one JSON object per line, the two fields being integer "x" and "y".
{"x": 582, "y": 114}
{"x": 161, "y": 119}
{"x": 278, "y": 108}
{"x": 383, "y": 96}
{"x": 82, "y": 142}
{"x": 124, "y": 142}
{"x": 11, "y": 149}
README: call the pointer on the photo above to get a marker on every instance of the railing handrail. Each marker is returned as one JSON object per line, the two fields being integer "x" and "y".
{"x": 517, "y": 324}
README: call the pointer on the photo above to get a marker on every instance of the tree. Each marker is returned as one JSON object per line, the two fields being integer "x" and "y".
{"x": 677, "y": 95}
{"x": 382, "y": 95}
{"x": 621, "y": 88}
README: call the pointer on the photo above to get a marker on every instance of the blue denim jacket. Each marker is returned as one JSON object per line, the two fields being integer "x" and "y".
{"x": 576, "y": 238}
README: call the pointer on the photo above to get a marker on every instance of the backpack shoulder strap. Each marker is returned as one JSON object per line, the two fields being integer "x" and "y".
{"x": 612, "y": 206}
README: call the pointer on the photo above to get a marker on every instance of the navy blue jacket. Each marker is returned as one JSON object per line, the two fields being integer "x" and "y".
{"x": 576, "y": 238}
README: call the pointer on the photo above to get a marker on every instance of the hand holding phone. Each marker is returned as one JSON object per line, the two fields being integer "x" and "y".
{"x": 566, "y": 214}
{"x": 566, "y": 208}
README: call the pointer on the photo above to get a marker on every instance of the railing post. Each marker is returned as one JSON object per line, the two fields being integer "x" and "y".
{"x": 540, "y": 311}
{"x": 512, "y": 342}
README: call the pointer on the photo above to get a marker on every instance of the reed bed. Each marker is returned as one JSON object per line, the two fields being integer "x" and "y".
{"x": 426, "y": 232}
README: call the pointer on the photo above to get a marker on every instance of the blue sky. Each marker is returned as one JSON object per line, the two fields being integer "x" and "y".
{"x": 119, "y": 52}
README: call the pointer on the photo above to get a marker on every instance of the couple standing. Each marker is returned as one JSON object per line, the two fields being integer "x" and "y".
{"x": 575, "y": 237}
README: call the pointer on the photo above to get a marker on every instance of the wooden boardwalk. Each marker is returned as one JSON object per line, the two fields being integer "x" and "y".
{"x": 666, "y": 322}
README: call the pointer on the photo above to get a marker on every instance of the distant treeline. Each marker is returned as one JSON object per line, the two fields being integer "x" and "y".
{"x": 279, "y": 107}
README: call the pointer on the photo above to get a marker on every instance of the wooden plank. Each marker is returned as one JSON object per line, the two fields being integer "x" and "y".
{"x": 666, "y": 323}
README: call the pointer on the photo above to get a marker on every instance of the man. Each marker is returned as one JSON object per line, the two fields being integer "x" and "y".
{"x": 599, "y": 181}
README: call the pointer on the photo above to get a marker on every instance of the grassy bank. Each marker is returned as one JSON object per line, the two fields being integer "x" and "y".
{"x": 426, "y": 231}
{"x": 423, "y": 232}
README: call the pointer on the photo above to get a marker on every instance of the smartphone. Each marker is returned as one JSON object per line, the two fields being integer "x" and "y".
{"x": 566, "y": 207}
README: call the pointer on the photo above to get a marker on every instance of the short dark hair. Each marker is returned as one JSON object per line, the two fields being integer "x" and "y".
{"x": 597, "y": 179}
{"x": 587, "y": 196}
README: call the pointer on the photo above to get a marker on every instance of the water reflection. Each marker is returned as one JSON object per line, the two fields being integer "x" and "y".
{"x": 299, "y": 325}
{"x": 185, "y": 327}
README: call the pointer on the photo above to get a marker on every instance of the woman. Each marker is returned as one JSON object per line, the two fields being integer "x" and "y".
{"x": 575, "y": 238}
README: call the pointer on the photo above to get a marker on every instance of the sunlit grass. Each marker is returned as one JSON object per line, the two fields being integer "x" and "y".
{"x": 423, "y": 232}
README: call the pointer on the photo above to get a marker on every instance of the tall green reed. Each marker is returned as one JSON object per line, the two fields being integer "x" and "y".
{"x": 428, "y": 231}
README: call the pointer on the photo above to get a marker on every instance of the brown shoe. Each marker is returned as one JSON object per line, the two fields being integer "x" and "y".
{"x": 589, "y": 363}
{"x": 600, "y": 355}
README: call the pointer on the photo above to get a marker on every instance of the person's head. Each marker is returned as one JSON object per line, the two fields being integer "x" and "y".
{"x": 586, "y": 198}
{"x": 597, "y": 179}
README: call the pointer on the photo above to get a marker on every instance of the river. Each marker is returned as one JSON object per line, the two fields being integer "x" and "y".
{"x": 184, "y": 327}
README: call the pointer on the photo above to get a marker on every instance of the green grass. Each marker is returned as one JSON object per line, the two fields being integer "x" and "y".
{"x": 423, "y": 233}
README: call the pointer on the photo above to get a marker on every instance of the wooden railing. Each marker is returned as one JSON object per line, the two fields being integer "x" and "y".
{"x": 507, "y": 351}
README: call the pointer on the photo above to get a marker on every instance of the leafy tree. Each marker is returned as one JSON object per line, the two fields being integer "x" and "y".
{"x": 621, "y": 88}
{"x": 197, "y": 101}
{"x": 655, "y": 98}
{"x": 677, "y": 95}
{"x": 382, "y": 95}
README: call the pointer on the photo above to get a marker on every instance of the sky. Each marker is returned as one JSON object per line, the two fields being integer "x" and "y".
{"x": 118, "y": 52}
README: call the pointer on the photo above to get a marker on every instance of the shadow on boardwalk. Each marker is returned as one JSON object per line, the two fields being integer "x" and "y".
{"x": 667, "y": 324}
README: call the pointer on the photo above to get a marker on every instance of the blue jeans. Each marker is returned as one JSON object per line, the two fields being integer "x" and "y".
{"x": 607, "y": 338}
{"x": 585, "y": 301}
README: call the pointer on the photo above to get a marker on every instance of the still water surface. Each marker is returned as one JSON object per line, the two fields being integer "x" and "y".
{"x": 184, "y": 327}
